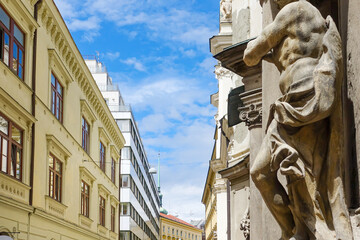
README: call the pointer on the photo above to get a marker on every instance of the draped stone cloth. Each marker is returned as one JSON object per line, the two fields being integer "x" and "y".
{"x": 304, "y": 135}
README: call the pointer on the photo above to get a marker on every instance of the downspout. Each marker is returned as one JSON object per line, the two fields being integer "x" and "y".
{"x": 31, "y": 197}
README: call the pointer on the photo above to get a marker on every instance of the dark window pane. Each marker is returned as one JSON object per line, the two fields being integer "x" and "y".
{"x": 18, "y": 35}
{"x": 15, "y": 57}
{"x": 4, "y": 18}
{"x": 21, "y": 56}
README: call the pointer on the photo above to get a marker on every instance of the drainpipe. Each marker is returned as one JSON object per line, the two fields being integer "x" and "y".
{"x": 36, "y": 6}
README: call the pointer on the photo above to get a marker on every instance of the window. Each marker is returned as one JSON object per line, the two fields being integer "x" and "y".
{"x": 55, "y": 178}
{"x": 10, "y": 148}
{"x": 113, "y": 170}
{"x": 163, "y": 228}
{"x": 172, "y": 231}
{"x": 12, "y": 44}
{"x": 102, "y": 156}
{"x": 124, "y": 180}
{"x": 168, "y": 230}
{"x": 102, "y": 211}
{"x": 85, "y": 135}
{"x": 112, "y": 219}
{"x": 56, "y": 98}
{"x": 85, "y": 192}
{"x": 124, "y": 209}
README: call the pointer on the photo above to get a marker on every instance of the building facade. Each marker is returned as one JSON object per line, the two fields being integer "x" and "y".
{"x": 227, "y": 188}
{"x": 250, "y": 104}
{"x": 173, "y": 228}
{"x": 60, "y": 145}
{"x": 139, "y": 215}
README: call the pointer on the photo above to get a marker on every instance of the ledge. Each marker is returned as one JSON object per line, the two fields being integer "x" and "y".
{"x": 14, "y": 189}
{"x": 232, "y": 58}
{"x": 85, "y": 221}
{"x": 54, "y": 207}
{"x": 113, "y": 235}
{"x": 102, "y": 230}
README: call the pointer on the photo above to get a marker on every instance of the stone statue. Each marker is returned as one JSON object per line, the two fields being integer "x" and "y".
{"x": 226, "y": 8}
{"x": 303, "y": 138}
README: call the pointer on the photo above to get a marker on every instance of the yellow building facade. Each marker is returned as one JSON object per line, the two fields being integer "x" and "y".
{"x": 173, "y": 228}
{"x": 209, "y": 200}
{"x": 59, "y": 144}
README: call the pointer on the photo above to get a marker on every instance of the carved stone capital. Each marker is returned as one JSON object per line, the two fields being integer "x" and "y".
{"x": 217, "y": 165}
{"x": 220, "y": 186}
{"x": 251, "y": 115}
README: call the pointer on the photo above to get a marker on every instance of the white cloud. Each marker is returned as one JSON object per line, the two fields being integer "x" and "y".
{"x": 135, "y": 63}
{"x": 161, "y": 21}
{"x": 208, "y": 64}
{"x": 112, "y": 55}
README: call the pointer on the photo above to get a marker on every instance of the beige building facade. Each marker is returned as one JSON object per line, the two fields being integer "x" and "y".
{"x": 173, "y": 228}
{"x": 60, "y": 145}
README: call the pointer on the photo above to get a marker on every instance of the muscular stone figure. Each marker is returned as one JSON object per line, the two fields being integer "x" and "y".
{"x": 303, "y": 136}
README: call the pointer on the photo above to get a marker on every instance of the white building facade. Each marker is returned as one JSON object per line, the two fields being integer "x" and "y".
{"x": 139, "y": 211}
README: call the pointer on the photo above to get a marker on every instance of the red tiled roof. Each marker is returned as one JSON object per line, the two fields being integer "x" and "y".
{"x": 173, "y": 218}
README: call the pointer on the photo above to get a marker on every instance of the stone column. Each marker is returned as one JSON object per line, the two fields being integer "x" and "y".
{"x": 251, "y": 114}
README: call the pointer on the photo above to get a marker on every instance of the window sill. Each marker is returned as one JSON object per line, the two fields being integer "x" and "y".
{"x": 113, "y": 235}
{"x": 54, "y": 207}
{"x": 13, "y": 188}
{"x": 85, "y": 221}
{"x": 102, "y": 230}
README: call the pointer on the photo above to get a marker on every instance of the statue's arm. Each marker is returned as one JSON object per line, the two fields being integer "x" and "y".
{"x": 271, "y": 36}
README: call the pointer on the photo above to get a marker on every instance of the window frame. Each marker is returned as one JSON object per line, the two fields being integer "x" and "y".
{"x": 85, "y": 135}
{"x": 113, "y": 171}
{"x": 102, "y": 158}
{"x": 102, "y": 208}
{"x": 56, "y": 193}
{"x": 12, "y": 40}
{"x": 58, "y": 113}
{"x": 10, "y": 163}
{"x": 113, "y": 215}
{"x": 85, "y": 198}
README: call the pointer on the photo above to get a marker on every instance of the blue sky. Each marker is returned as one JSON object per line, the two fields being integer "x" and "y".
{"x": 157, "y": 51}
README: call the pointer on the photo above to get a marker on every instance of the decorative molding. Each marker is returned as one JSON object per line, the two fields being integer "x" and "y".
{"x": 217, "y": 165}
{"x": 86, "y": 175}
{"x": 103, "y": 190}
{"x": 12, "y": 188}
{"x": 87, "y": 112}
{"x": 57, "y": 65}
{"x": 85, "y": 221}
{"x": 251, "y": 115}
{"x": 226, "y": 10}
{"x": 102, "y": 230}
{"x": 245, "y": 224}
{"x": 57, "y": 148}
{"x": 115, "y": 152}
{"x": 114, "y": 200}
{"x": 54, "y": 207}
{"x": 113, "y": 235}
{"x": 220, "y": 186}
{"x": 221, "y": 72}
{"x": 103, "y": 136}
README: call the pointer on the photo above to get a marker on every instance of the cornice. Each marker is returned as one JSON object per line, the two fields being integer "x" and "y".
{"x": 70, "y": 56}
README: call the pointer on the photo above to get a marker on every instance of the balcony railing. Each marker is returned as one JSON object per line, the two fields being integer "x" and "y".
{"x": 119, "y": 108}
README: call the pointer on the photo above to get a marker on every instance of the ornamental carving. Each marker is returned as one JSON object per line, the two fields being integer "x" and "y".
{"x": 251, "y": 115}
{"x": 226, "y": 9}
{"x": 245, "y": 224}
